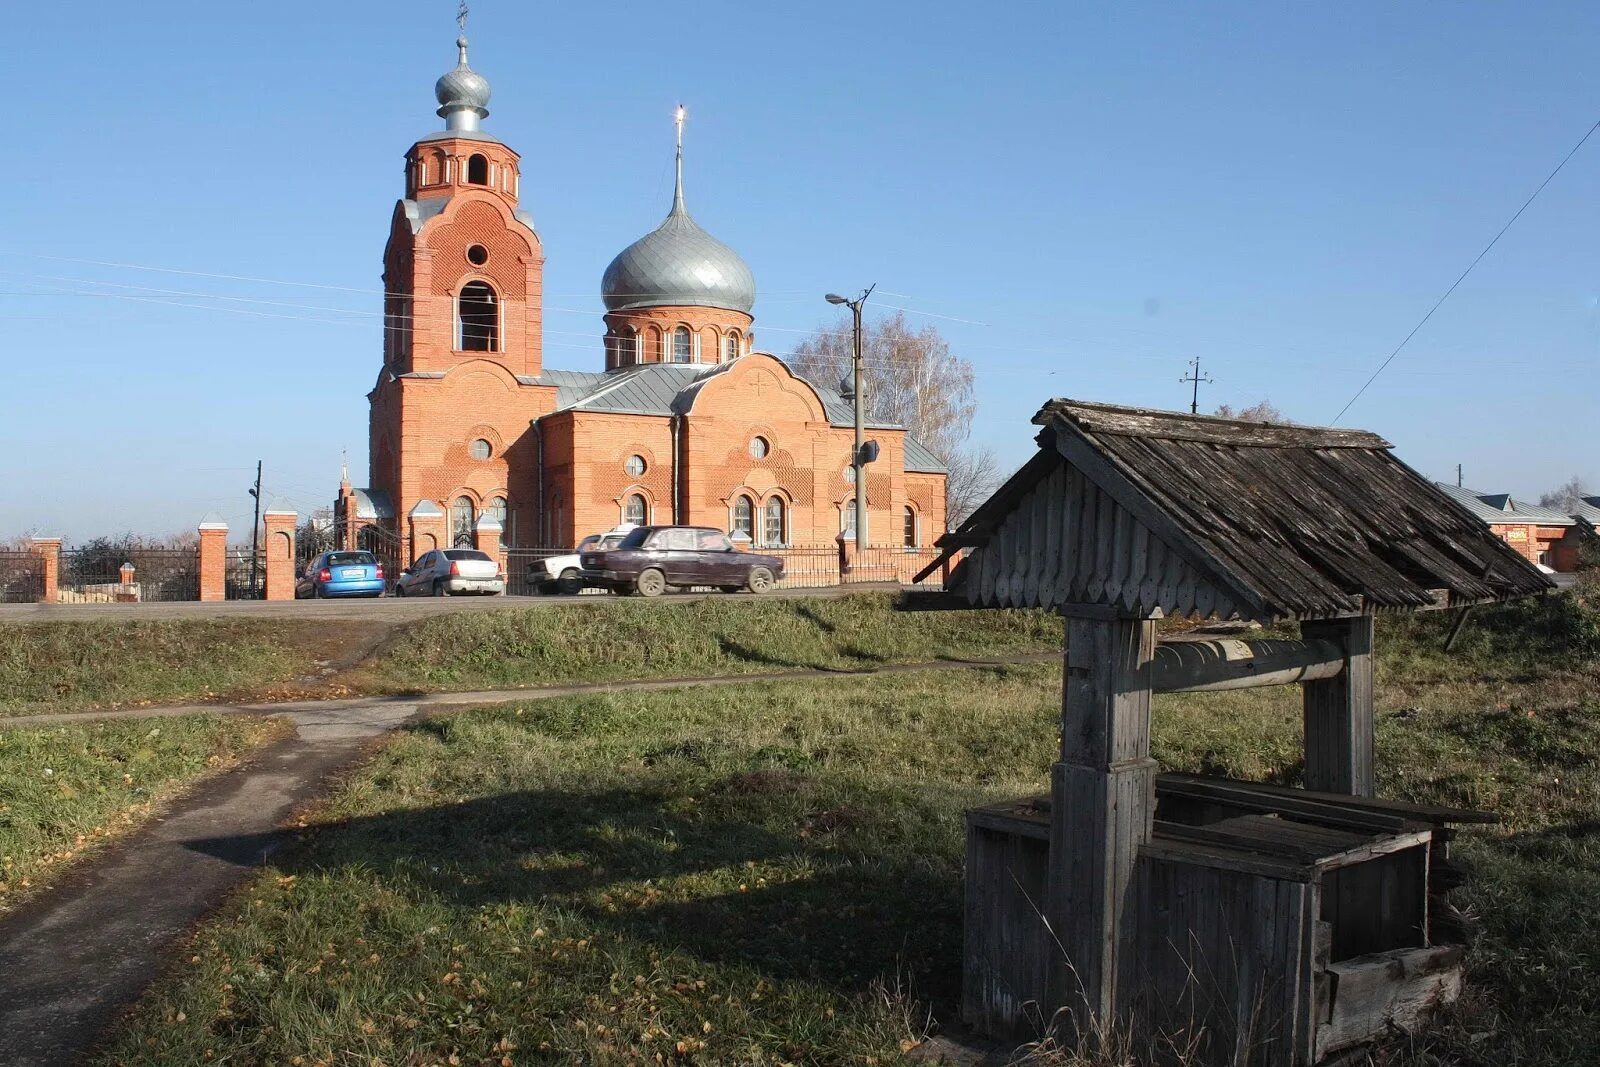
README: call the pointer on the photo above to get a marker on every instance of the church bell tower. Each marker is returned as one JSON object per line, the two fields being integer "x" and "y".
{"x": 462, "y": 277}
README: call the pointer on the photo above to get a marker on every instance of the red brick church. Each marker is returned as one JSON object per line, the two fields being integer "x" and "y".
{"x": 680, "y": 421}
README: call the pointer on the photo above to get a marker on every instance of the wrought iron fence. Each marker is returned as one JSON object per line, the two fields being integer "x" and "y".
{"x": 103, "y": 573}
{"x": 21, "y": 576}
{"x": 524, "y": 576}
{"x": 816, "y": 566}
{"x": 241, "y": 581}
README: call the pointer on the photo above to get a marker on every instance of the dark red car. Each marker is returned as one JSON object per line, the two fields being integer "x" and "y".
{"x": 652, "y": 559}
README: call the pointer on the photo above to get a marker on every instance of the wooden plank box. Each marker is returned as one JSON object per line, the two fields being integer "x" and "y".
{"x": 1273, "y": 926}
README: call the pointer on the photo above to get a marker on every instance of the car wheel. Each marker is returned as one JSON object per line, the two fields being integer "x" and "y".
{"x": 399, "y": 590}
{"x": 570, "y": 583}
{"x": 316, "y": 591}
{"x": 731, "y": 588}
{"x": 760, "y": 580}
{"x": 650, "y": 583}
{"x": 438, "y": 588}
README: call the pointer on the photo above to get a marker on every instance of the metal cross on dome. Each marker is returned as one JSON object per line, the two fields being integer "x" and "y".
{"x": 461, "y": 15}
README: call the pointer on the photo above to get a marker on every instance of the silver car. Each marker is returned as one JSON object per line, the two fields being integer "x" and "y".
{"x": 446, "y": 571}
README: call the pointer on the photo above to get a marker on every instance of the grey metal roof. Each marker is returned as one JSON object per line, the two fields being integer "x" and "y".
{"x": 678, "y": 264}
{"x": 666, "y": 389}
{"x": 372, "y": 504}
{"x": 1503, "y": 507}
{"x": 1588, "y": 510}
{"x": 463, "y": 94}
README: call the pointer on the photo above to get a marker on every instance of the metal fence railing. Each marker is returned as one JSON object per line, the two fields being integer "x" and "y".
{"x": 21, "y": 576}
{"x": 113, "y": 574}
{"x": 239, "y": 581}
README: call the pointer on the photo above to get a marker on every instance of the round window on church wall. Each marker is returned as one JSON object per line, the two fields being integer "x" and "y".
{"x": 477, "y": 255}
{"x": 481, "y": 449}
{"x": 634, "y": 466}
{"x": 759, "y": 448}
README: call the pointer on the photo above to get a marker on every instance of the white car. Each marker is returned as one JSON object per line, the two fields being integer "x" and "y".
{"x": 564, "y": 574}
{"x": 447, "y": 571}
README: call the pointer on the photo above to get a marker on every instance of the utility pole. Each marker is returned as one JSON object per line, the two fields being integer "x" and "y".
{"x": 857, "y": 457}
{"x": 1194, "y": 376}
{"x": 255, "y": 532}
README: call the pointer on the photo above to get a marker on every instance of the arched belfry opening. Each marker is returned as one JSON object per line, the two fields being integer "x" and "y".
{"x": 477, "y": 170}
{"x": 478, "y": 319}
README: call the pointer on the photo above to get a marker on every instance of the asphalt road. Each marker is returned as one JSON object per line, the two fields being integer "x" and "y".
{"x": 385, "y": 609}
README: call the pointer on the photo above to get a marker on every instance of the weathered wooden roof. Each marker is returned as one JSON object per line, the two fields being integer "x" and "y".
{"x": 1195, "y": 515}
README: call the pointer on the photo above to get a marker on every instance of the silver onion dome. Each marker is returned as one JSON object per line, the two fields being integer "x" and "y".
{"x": 678, "y": 264}
{"x": 463, "y": 94}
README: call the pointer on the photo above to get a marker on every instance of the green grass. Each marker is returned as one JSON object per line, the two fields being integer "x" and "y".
{"x": 64, "y": 666}
{"x": 66, "y": 789}
{"x": 639, "y": 639}
{"x": 771, "y": 872}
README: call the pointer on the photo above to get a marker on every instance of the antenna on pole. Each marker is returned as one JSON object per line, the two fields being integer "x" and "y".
{"x": 1194, "y": 377}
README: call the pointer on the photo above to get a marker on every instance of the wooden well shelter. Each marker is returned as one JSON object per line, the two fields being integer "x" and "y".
{"x": 1274, "y": 925}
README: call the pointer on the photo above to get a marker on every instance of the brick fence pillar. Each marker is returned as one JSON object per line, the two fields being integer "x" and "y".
{"x": 279, "y": 527}
{"x": 49, "y": 551}
{"x": 486, "y": 538}
{"x": 213, "y": 561}
{"x": 427, "y": 529}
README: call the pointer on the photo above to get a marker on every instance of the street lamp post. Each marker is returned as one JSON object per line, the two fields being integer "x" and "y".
{"x": 857, "y": 464}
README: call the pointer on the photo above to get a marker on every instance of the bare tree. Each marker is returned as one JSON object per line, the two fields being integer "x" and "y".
{"x": 975, "y": 473}
{"x": 1566, "y": 496}
{"x": 1261, "y": 411}
{"x": 911, "y": 378}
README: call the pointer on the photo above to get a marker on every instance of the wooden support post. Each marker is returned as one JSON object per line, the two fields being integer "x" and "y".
{"x": 1338, "y": 712}
{"x": 1103, "y": 800}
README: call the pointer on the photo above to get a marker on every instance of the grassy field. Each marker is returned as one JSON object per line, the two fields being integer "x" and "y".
{"x": 64, "y": 666}
{"x": 74, "y": 666}
{"x": 66, "y": 789}
{"x": 771, "y": 873}
{"x": 746, "y": 635}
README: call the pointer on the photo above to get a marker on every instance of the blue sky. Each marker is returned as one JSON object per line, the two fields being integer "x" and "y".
{"x": 1089, "y": 196}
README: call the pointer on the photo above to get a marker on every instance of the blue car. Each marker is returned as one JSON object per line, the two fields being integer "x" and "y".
{"x": 341, "y": 574}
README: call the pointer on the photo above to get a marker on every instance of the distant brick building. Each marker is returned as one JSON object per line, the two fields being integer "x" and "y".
{"x": 1542, "y": 535}
{"x": 681, "y": 421}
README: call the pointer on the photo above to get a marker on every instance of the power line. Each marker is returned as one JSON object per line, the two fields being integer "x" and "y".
{"x": 1479, "y": 258}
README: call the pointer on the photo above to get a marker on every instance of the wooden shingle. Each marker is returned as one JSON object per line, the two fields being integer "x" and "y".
{"x": 1193, "y": 515}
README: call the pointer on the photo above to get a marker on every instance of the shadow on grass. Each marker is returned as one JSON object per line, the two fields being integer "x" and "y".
{"x": 737, "y": 651}
{"x": 766, "y": 870}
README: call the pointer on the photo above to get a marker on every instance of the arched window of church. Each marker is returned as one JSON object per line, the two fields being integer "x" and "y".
{"x": 477, "y": 170}
{"x": 743, "y": 518}
{"x": 847, "y": 519}
{"x": 911, "y": 528}
{"x": 461, "y": 521}
{"x": 627, "y": 350}
{"x": 477, "y": 319}
{"x": 772, "y": 526}
{"x": 682, "y": 345}
{"x": 730, "y": 346}
{"x": 436, "y": 170}
{"x": 498, "y": 510}
{"x": 652, "y": 352}
{"x": 635, "y": 510}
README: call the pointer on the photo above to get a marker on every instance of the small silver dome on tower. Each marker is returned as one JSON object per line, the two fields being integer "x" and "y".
{"x": 678, "y": 264}
{"x": 463, "y": 94}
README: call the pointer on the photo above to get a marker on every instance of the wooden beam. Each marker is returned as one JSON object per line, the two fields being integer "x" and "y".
{"x": 1102, "y": 805}
{"x": 1338, "y": 712}
{"x": 1209, "y": 666}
